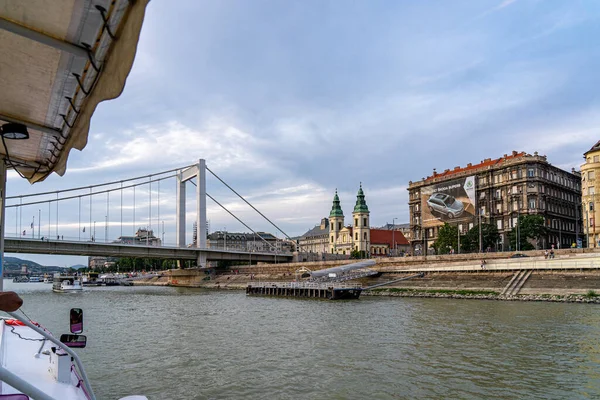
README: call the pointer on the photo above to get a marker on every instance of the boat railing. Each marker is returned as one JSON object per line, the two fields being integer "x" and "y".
{"x": 24, "y": 386}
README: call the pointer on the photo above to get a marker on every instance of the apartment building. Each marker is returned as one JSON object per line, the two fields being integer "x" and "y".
{"x": 589, "y": 170}
{"x": 497, "y": 191}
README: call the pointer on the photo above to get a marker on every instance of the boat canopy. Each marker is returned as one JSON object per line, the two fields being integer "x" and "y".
{"x": 342, "y": 268}
{"x": 58, "y": 60}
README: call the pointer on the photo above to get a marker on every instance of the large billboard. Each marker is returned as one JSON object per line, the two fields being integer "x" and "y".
{"x": 450, "y": 201}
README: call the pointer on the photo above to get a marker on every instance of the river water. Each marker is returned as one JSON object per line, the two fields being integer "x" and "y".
{"x": 175, "y": 343}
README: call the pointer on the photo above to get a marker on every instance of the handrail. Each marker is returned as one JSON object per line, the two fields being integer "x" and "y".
{"x": 22, "y": 385}
{"x": 57, "y": 342}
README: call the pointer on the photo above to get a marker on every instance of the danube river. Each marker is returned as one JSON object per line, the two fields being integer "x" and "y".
{"x": 171, "y": 343}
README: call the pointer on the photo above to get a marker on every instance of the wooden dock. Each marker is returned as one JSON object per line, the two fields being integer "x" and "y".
{"x": 305, "y": 290}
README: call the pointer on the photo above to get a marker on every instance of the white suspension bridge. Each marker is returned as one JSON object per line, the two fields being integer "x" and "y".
{"x": 96, "y": 220}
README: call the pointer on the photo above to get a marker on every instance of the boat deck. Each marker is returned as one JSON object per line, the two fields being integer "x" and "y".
{"x": 18, "y": 347}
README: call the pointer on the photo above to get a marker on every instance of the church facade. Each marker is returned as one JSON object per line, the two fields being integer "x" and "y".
{"x": 333, "y": 236}
{"x": 356, "y": 236}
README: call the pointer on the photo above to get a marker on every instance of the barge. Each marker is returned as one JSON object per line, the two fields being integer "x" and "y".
{"x": 311, "y": 290}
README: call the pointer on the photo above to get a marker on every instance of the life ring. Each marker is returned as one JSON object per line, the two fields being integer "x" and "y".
{"x": 13, "y": 322}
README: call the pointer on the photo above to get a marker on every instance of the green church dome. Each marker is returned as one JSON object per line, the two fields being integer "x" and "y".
{"x": 336, "y": 210}
{"x": 361, "y": 204}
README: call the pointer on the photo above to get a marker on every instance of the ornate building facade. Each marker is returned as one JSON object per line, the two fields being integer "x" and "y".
{"x": 506, "y": 188}
{"x": 333, "y": 236}
{"x": 589, "y": 170}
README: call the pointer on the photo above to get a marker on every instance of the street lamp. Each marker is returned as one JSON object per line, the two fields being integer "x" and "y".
{"x": 559, "y": 233}
{"x": 394, "y": 236}
{"x": 225, "y": 238}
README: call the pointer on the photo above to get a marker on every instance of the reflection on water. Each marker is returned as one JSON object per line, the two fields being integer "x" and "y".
{"x": 173, "y": 343}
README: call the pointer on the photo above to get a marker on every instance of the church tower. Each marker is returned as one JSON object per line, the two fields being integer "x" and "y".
{"x": 361, "y": 234}
{"x": 336, "y": 223}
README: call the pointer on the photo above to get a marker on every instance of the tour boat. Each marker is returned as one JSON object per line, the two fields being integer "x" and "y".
{"x": 67, "y": 283}
{"x": 35, "y": 279}
{"x": 65, "y": 58}
{"x": 36, "y": 365}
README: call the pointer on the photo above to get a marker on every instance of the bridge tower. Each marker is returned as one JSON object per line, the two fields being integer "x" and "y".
{"x": 199, "y": 172}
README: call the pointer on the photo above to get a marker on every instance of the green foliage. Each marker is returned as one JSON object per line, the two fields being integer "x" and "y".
{"x": 591, "y": 293}
{"x": 469, "y": 243}
{"x": 356, "y": 254}
{"x": 530, "y": 227}
{"x": 447, "y": 239}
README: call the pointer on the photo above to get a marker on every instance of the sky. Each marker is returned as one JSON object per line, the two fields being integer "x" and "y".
{"x": 288, "y": 101}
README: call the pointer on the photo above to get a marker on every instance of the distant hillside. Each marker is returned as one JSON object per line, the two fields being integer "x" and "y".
{"x": 13, "y": 264}
{"x": 78, "y": 266}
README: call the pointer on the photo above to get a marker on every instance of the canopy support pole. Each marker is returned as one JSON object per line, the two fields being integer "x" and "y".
{"x": 39, "y": 37}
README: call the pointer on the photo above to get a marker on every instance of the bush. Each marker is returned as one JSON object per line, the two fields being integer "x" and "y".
{"x": 591, "y": 293}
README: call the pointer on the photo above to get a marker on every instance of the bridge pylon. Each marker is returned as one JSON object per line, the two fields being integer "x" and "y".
{"x": 197, "y": 171}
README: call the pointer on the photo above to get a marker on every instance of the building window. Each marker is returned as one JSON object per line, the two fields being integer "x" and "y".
{"x": 498, "y": 194}
{"x": 339, "y": 226}
{"x": 331, "y": 239}
{"x": 356, "y": 236}
{"x": 591, "y": 206}
{"x": 532, "y": 204}
{"x": 595, "y": 158}
{"x": 591, "y": 190}
{"x": 591, "y": 174}
{"x": 365, "y": 222}
{"x": 530, "y": 172}
{"x": 356, "y": 222}
{"x": 499, "y": 224}
{"x": 470, "y": 225}
{"x": 365, "y": 235}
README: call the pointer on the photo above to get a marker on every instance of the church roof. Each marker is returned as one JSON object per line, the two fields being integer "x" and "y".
{"x": 361, "y": 204}
{"x": 316, "y": 231}
{"x": 336, "y": 209}
{"x": 384, "y": 236}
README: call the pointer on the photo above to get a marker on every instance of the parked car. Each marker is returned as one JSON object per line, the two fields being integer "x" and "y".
{"x": 519, "y": 255}
{"x": 445, "y": 204}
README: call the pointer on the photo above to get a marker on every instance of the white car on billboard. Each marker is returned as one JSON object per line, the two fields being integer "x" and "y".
{"x": 445, "y": 204}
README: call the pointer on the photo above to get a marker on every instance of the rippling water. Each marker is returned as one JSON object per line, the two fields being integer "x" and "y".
{"x": 173, "y": 343}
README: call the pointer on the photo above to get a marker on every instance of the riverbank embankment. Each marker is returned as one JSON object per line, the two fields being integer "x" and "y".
{"x": 572, "y": 276}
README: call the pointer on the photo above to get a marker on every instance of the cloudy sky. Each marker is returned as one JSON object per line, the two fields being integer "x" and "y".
{"x": 289, "y": 100}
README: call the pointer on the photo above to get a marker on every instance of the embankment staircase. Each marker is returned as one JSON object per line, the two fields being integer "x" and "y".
{"x": 516, "y": 283}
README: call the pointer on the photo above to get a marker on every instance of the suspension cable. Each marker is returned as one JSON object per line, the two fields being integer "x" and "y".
{"x": 85, "y": 195}
{"x": 246, "y": 201}
{"x": 98, "y": 185}
{"x": 239, "y": 220}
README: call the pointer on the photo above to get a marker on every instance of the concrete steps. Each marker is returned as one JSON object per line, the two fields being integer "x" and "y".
{"x": 516, "y": 283}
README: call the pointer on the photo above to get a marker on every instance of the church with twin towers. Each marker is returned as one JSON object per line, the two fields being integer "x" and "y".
{"x": 334, "y": 237}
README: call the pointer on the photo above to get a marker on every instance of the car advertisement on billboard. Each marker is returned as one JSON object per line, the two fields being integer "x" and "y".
{"x": 451, "y": 201}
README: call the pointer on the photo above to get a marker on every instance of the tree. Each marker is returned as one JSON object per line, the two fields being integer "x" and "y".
{"x": 530, "y": 227}
{"x": 447, "y": 239}
{"x": 489, "y": 238}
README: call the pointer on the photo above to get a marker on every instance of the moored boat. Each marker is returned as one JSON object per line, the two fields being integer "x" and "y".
{"x": 91, "y": 279}
{"x": 66, "y": 283}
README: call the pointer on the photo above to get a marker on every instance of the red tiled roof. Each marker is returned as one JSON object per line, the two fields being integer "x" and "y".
{"x": 386, "y": 236}
{"x": 485, "y": 163}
